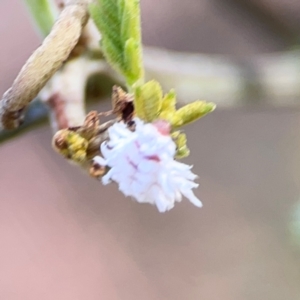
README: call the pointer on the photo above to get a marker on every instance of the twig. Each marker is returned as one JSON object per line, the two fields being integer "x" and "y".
{"x": 274, "y": 77}
{"x": 217, "y": 78}
{"x": 36, "y": 115}
{"x": 43, "y": 63}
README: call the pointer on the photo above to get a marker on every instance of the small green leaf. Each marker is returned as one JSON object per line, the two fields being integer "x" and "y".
{"x": 115, "y": 57}
{"x": 139, "y": 102}
{"x": 119, "y": 24}
{"x": 134, "y": 70}
{"x": 131, "y": 37}
{"x": 169, "y": 101}
{"x": 191, "y": 112}
{"x": 121, "y": 7}
{"x": 180, "y": 141}
{"x": 130, "y": 26}
{"x": 168, "y": 107}
{"x": 110, "y": 16}
{"x": 148, "y": 100}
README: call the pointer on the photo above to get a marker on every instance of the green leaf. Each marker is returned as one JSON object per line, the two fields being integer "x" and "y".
{"x": 43, "y": 13}
{"x": 121, "y": 6}
{"x": 169, "y": 101}
{"x": 115, "y": 56}
{"x": 119, "y": 24}
{"x": 130, "y": 26}
{"x": 148, "y": 100}
{"x": 134, "y": 71}
{"x": 191, "y": 112}
{"x": 168, "y": 107}
{"x": 139, "y": 103}
{"x": 180, "y": 141}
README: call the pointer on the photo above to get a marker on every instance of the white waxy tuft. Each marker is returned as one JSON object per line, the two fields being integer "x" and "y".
{"x": 142, "y": 163}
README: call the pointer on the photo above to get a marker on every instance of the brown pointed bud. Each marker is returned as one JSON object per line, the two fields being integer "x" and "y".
{"x": 97, "y": 170}
{"x": 122, "y": 104}
{"x": 90, "y": 126}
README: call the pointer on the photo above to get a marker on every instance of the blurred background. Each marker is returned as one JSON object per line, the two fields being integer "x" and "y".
{"x": 65, "y": 236}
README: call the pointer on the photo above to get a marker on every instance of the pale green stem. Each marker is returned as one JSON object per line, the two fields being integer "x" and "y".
{"x": 43, "y": 13}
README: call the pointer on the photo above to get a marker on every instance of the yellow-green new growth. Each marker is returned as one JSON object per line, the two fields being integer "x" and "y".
{"x": 119, "y": 24}
{"x": 150, "y": 105}
{"x": 148, "y": 100}
{"x": 191, "y": 112}
{"x": 180, "y": 141}
{"x": 168, "y": 107}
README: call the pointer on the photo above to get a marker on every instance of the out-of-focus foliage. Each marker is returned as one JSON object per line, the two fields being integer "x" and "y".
{"x": 43, "y": 13}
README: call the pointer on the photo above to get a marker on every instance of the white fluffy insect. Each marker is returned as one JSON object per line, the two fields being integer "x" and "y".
{"x": 142, "y": 163}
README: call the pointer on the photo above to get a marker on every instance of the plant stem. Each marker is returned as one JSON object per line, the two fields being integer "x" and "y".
{"x": 43, "y": 63}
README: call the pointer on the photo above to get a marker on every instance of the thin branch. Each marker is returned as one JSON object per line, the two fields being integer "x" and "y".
{"x": 271, "y": 79}
{"x": 43, "y": 63}
{"x": 36, "y": 115}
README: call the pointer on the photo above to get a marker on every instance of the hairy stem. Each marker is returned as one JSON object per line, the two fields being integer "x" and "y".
{"x": 43, "y": 63}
